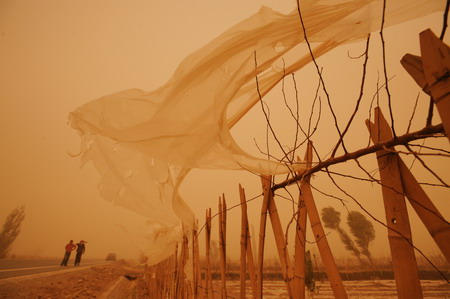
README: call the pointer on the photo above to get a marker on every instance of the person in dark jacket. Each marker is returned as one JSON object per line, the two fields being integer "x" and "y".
{"x": 80, "y": 251}
{"x": 69, "y": 248}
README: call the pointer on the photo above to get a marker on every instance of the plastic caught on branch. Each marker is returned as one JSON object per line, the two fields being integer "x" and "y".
{"x": 144, "y": 143}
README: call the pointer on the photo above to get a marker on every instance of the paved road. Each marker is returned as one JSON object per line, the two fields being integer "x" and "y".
{"x": 13, "y": 268}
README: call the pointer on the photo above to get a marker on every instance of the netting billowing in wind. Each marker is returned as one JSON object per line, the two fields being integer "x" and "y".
{"x": 144, "y": 143}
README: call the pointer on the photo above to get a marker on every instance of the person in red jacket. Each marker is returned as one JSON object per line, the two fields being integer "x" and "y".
{"x": 69, "y": 248}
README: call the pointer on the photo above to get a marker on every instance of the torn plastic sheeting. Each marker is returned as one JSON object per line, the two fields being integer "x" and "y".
{"x": 186, "y": 123}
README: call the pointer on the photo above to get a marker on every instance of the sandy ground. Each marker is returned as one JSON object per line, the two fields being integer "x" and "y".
{"x": 95, "y": 281}
{"x": 89, "y": 282}
{"x": 361, "y": 289}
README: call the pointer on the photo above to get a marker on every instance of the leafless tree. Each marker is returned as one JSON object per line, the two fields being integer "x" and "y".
{"x": 417, "y": 144}
{"x": 11, "y": 229}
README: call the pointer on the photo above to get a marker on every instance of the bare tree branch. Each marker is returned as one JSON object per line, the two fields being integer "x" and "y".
{"x": 318, "y": 69}
{"x": 385, "y": 69}
{"x": 413, "y": 113}
{"x": 404, "y": 139}
{"x": 425, "y": 165}
{"x": 358, "y": 101}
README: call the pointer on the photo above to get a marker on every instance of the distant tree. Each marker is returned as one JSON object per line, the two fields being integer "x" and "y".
{"x": 11, "y": 229}
{"x": 363, "y": 231}
{"x": 332, "y": 220}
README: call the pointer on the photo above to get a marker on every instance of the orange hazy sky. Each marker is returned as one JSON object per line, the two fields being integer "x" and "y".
{"x": 56, "y": 55}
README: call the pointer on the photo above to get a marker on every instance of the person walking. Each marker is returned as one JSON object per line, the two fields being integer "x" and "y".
{"x": 69, "y": 248}
{"x": 80, "y": 251}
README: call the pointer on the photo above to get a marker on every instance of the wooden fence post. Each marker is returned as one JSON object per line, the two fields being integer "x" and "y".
{"x": 181, "y": 289}
{"x": 431, "y": 73}
{"x": 248, "y": 246}
{"x": 321, "y": 239}
{"x": 244, "y": 232}
{"x": 222, "y": 245}
{"x": 244, "y": 239}
{"x": 196, "y": 261}
{"x": 175, "y": 273}
{"x": 209, "y": 290}
{"x": 262, "y": 236}
{"x": 399, "y": 231}
{"x": 299, "y": 258}
{"x": 300, "y": 236}
{"x": 280, "y": 240}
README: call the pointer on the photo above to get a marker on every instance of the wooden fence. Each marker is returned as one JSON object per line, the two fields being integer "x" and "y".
{"x": 170, "y": 280}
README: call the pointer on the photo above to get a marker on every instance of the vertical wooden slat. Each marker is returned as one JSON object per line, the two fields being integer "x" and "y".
{"x": 321, "y": 239}
{"x": 431, "y": 73}
{"x": 181, "y": 282}
{"x": 248, "y": 244}
{"x": 243, "y": 247}
{"x": 200, "y": 286}
{"x": 175, "y": 273}
{"x": 195, "y": 260}
{"x": 399, "y": 232}
{"x": 299, "y": 259}
{"x": 224, "y": 247}
{"x": 222, "y": 244}
{"x": 262, "y": 236}
{"x": 209, "y": 291}
{"x": 300, "y": 237}
{"x": 187, "y": 286}
{"x": 280, "y": 240}
{"x": 436, "y": 63}
{"x": 173, "y": 268}
{"x": 221, "y": 264}
{"x": 323, "y": 246}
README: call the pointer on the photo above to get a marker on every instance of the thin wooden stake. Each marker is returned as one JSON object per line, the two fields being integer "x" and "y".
{"x": 248, "y": 246}
{"x": 175, "y": 273}
{"x": 300, "y": 238}
{"x": 181, "y": 283}
{"x": 399, "y": 233}
{"x": 200, "y": 286}
{"x": 196, "y": 260}
{"x": 321, "y": 239}
{"x": 224, "y": 247}
{"x": 244, "y": 232}
{"x": 222, "y": 244}
{"x": 262, "y": 236}
{"x": 280, "y": 240}
{"x": 300, "y": 246}
{"x": 209, "y": 290}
